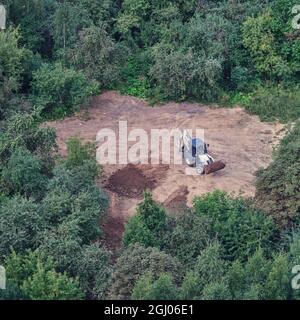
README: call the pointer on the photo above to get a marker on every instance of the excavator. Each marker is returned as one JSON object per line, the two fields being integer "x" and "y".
{"x": 195, "y": 153}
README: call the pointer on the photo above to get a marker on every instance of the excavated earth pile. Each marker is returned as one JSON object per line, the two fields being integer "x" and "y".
{"x": 241, "y": 140}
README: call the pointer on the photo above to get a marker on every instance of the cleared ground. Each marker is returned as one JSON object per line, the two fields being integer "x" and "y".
{"x": 241, "y": 140}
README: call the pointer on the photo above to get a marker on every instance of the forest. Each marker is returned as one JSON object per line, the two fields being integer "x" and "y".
{"x": 55, "y": 55}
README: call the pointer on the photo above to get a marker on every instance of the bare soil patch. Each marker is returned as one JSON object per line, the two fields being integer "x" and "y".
{"x": 242, "y": 141}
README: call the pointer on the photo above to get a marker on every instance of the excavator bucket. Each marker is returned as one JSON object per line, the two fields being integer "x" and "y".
{"x": 214, "y": 167}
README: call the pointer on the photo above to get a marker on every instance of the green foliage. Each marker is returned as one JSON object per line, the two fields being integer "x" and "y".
{"x": 278, "y": 185}
{"x": 94, "y": 271}
{"x": 33, "y": 18}
{"x": 258, "y": 38}
{"x": 148, "y": 289}
{"x": 37, "y": 280}
{"x": 53, "y": 57}
{"x": 82, "y": 154}
{"x": 97, "y": 55}
{"x": 147, "y": 226}
{"x": 23, "y": 174}
{"x": 68, "y": 18}
{"x": 20, "y": 224}
{"x": 23, "y": 131}
{"x": 190, "y": 235}
{"x": 137, "y": 232}
{"x": 216, "y": 291}
{"x": 60, "y": 91}
{"x": 137, "y": 261}
{"x": 273, "y": 103}
{"x": 209, "y": 268}
{"x": 239, "y": 228}
{"x": 11, "y": 66}
{"x": 73, "y": 196}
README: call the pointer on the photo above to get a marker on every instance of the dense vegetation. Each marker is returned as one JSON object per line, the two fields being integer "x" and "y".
{"x": 54, "y": 55}
{"x": 58, "y": 53}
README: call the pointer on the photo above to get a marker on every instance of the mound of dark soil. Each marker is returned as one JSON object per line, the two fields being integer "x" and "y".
{"x": 130, "y": 182}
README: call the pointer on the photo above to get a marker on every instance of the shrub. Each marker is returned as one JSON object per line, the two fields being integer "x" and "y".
{"x": 161, "y": 289}
{"x": 20, "y": 224}
{"x": 59, "y": 90}
{"x": 147, "y": 226}
{"x": 23, "y": 174}
{"x": 275, "y": 103}
{"x": 82, "y": 154}
{"x": 36, "y": 279}
{"x": 278, "y": 185}
{"x": 11, "y": 68}
{"x": 137, "y": 261}
{"x": 239, "y": 228}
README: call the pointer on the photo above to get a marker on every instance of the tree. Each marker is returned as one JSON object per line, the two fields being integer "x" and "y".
{"x": 277, "y": 186}
{"x": 153, "y": 215}
{"x": 37, "y": 280}
{"x": 82, "y": 154}
{"x": 238, "y": 227}
{"x": 216, "y": 291}
{"x": 93, "y": 268}
{"x": 137, "y": 232}
{"x": 147, "y": 226}
{"x": 23, "y": 174}
{"x": 188, "y": 238}
{"x": 73, "y": 197}
{"x": 11, "y": 66}
{"x": 63, "y": 244}
{"x": 68, "y": 19}
{"x": 98, "y": 56}
{"x": 278, "y": 283}
{"x": 60, "y": 90}
{"x": 209, "y": 268}
{"x": 20, "y": 224}
{"x": 24, "y": 131}
{"x": 148, "y": 289}
{"x": 49, "y": 285}
{"x": 259, "y": 40}
{"x": 137, "y": 261}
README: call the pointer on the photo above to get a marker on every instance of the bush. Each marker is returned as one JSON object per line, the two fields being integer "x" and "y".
{"x": 23, "y": 131}
{"x": 36, "y": 279}
{"x": 275, "y": 103}
{"x": 190, "y": 235}
{"x": 23, "y": 174}
{"x": 278, "y": 185}
{"x": 239, "y": 228}
{"x": 59, "y": 90}
{"x": 137, "y": 261}
{"x": 161, "y": 289}
{"x": 82, "y": 154}
{"x": 11, "y": 68}
{"x": 20, "y": 224}
{"x": 147, "y": 226}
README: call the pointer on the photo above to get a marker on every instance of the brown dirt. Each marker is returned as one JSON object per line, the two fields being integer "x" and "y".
{"x": 130, "y": 182}
{"x": 242, "y": 141}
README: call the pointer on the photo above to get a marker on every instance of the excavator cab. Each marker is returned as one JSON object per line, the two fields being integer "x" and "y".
{"x": 199, "y": 147}
{"x": 195, "y": 153}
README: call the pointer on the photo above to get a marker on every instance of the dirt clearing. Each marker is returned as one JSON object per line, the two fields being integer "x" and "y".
{"x": 243, "y": 142}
